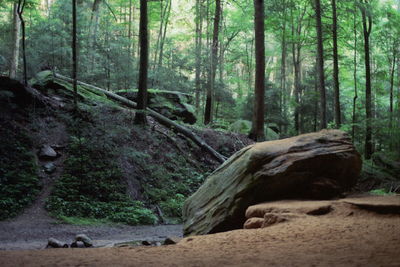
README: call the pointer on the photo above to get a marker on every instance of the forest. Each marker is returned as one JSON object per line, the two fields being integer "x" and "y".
{"x": 187, "y": 115}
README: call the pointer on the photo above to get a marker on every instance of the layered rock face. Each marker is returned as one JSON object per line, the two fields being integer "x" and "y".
{"x": 318, "y": 165}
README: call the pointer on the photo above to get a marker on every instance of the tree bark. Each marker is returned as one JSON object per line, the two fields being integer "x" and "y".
{"x": 320, "y": 66}
{"x": 16, "y": 41}
{"x": 208, "y": 118}
{"x": 257, "y": 129}
{"x": 367, "y": 27}
{"x": 336, "y": 66}
{"x": 140, "y": 117}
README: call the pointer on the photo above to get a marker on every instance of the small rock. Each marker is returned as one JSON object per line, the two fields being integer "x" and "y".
{"x": 54, "y": 243}
{"x": 49, "y": 167}
{"x": 172, "y": 240}
{"x": 85, "y": 239}
{"x": 253, "y": 223}
{"x": 146, "y": 243}
{"x": 157, "y": 244}
{"x": 78, "y": 244}
{"x": 47, "y": 152}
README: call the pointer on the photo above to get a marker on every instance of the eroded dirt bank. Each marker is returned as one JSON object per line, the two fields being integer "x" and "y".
{"x": 347, "y": 236}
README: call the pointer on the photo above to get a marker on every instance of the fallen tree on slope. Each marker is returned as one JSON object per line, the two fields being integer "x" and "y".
{"x": 160, "y": 118}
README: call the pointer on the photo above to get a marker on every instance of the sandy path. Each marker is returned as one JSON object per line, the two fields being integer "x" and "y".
{"x": 345, "y": 237}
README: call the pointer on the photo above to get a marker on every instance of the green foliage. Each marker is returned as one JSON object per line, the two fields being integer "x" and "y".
{"x": 381, "y": 192}
{"x": 19, "y": 183}
{"x": 92, "y": 187}
{"x": 169, "y": 184}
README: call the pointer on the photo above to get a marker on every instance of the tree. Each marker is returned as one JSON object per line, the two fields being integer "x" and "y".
{"x": 208, "y": 115}
{"x": 198, "y": 44}
{"x": 257, "y": 129}
{"x": 320, "y": 65}
{"x": 367, "y": 27}
{"x": 16, "y": 40}
{"x": 74, "y": 54}
{"x": 140, "y": 117}
{"x": 335, "y": 66}
{"x": 20, "y": 10}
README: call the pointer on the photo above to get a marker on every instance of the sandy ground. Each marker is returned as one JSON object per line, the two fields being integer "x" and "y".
{"x": 347, "y": 236}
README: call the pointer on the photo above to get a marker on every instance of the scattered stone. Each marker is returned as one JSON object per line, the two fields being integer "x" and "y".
{"x": 172, "y": 240}
{"x": 157, "y": 244}
{"x": 311, "y": 166}
{"x": 54, "y": 243}
{"x": 49, "y": 167}
{"x": 146, "y": 243}
{"x": 253, "y": 223}
{"x": 85, "y": 239}
{"x": 47, "y": 152}
{"x": 78, "y": 244}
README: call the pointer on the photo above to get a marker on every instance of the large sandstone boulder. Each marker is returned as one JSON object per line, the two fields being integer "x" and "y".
{"x": 318, "y": 165}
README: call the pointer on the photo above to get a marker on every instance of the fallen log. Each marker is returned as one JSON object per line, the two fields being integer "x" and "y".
{"x": 160, "y": 118}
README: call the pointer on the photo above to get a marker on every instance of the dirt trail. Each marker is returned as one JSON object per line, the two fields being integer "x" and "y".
{"x": 347, "y": 236}
{"x": 34, "y": 226}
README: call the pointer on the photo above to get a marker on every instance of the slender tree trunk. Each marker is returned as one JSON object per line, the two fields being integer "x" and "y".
{"x": 392, "y": 71}
{"x": 168, "y": 13}
{"x": 353, "y": 128}
{"x": 367, "y": 27}
{"x": 159, "y": 33}
{"x": 214, "y": 62}
{"x": 20, "y": 11}
{"x": 257, "y": 129}
{"x": 74, "y": 54}
{"x": 140, "y": 117}
{"x": 335, "y": 66}
{"x": 199, "y": 28}
{"x": 282, "y": 94}
{"x": 16, "y": 41}
{"x": 320, "y": 66}
{"x": 130, "y": 27}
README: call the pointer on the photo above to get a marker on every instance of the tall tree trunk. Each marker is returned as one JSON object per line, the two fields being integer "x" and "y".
{"x": 168, "y": 13}
{"x": 130, "y": 27}
{"x": 16, "y": 40}
{"x": 320, "y": 66}
{"x": 74, "y": 54}
{"x": 282, "y": 94}
{"x": 199, "y": 32}
{"x": 257, "y": 129}
{"x": 353, "y": 128}
{"x": 214, "y": 61}
{"x": 20, "y": 11}
{"x": 140, "y": 117}
{"x": 335, "y": 66}
{"x": 367, "y": 27}
{"x": 392, "y": 72}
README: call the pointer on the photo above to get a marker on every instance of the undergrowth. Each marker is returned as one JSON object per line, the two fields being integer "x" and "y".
{"x": 91, "y": 185}
{"x": 19, "y": 183}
